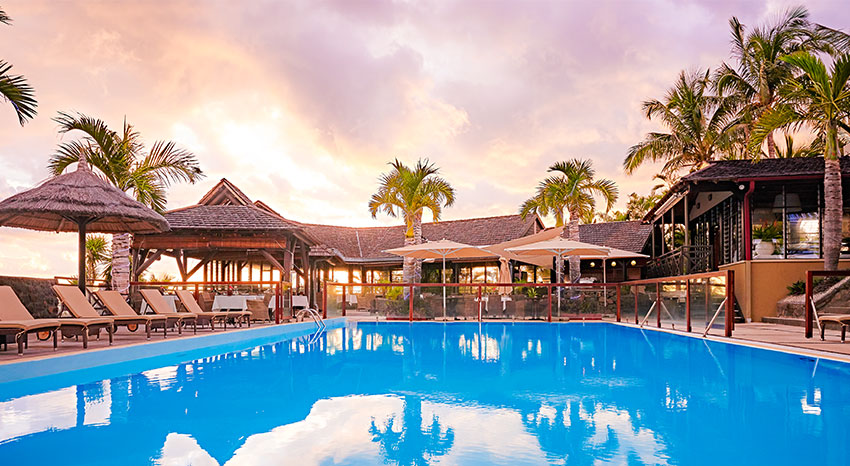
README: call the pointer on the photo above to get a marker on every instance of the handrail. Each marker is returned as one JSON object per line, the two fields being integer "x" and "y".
{"x": 728, "y": 303}
{"x": 811, "y": 312}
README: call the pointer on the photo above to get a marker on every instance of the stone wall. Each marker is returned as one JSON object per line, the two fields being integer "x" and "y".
{"x": 35, "y": 293}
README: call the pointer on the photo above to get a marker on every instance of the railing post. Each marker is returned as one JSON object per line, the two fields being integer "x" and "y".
{"x": 479, "y": 303}
{"x": 688, "y": 305}
{"x": 808, "y": 303}
{"x": 196, "y": 292}
{"x": 618, "y": 303}
{"x": 658, "y": 302}
{"x": 410, "y": 293}
{"x": 549, "y": 289}
{"x": 730, "y": 302}
{"x": 325, "y": 299}
{"x": 277, "y": 302}
{"x": 635, "y": 292}
{"x": 343, "y": 300}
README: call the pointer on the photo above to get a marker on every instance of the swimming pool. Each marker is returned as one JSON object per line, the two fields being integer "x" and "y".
{"x": 458, "y": 393}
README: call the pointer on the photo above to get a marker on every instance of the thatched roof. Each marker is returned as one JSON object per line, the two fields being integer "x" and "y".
{"x": 58, "y": 203}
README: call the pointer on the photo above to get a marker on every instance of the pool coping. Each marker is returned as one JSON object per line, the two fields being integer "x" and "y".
{"x": 797, "y": 351}
{"x": 49, "y": 365}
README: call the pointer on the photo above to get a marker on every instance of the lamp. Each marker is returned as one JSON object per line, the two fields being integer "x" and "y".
{"x": 613, "y": 263}
{"x": 593, "y": 264}
{"x": 634, "y": 262}
{"x": 790, "y": 201}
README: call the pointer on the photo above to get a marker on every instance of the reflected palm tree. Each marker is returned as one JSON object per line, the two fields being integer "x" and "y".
{"x": 569, "y": 432}
{"x": 413, "y": 444}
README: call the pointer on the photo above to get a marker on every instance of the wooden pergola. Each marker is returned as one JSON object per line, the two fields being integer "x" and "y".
{"x": 227, "y": 237}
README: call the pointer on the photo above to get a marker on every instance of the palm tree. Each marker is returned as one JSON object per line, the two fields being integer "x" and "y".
{"x": 761, "y": 70}
{"x": 98, "y": 258}
{"x": 572, "y": 192}
{"x": 14, "y": 88}
{"x": 701, "y": 127}
{"x": 408, "y": 192}
{"x": 121, "y": 159}
{"x": 793, "y": 149}
{"x": 820, "y": 100}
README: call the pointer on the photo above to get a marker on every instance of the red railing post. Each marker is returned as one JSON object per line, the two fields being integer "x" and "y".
{"x": 549, "y": 289}
{"x": 277, "y": 303}
{"x": 808, "y": 303}
{"x": 658, "y": 302}
{"x": 196, "y": 292}
{"x": 410, "y": 293}
{"x": 324, "y": 299}
{"x": 479, "y": 303}
{"x": 618, "y": 303}
{"x": 635, "y": 292}
{"x": 343, "y": 300}
{"x": 688, "y": 305}
{"x": 730, "y": 302}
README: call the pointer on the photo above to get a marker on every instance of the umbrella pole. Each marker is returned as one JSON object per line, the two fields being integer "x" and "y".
{"x": 81, "y": 278}
{"x": 444, "y": 287}
{"x": 604, "y": 280}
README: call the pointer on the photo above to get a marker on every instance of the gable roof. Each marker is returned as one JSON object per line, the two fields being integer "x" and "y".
{"x": 226, "y": 217}
{"x": 730, "y": 170}
{"x": 367, "y": 244}
{"x": 629, "y": 235}
{"x": 225, "y": 192}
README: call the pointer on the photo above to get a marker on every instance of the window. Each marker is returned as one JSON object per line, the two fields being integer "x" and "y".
{"x": 767, "y": 221}
{"x": 802, "y": 222}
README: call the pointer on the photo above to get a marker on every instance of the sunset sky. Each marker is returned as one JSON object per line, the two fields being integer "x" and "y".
{"x": 303, "y": 103}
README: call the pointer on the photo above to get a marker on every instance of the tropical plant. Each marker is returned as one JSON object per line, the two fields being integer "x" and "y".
{"x": 571, "y": 191}
{"x": 14, "y": 88}
{"x": 792, "y": 149}
{"x": 407, "y": 192}
{"x": 121, "y": 159}
{"x": 767, "y": 231}
{"x": 701, "y": 127}
{"x": 98, "y": 258}
{"x": 819, "y": 100}
{"x": 760, "y": 70}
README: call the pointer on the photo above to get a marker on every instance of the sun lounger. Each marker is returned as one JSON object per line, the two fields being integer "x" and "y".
{"x": 188, "y": 301}
{"x": 17, "y": 321}
{"x": 159, "y": 306}
{"x": 125, "y": 315}
{"x": 842, "y": 320}
{"x": 78, "y": 305}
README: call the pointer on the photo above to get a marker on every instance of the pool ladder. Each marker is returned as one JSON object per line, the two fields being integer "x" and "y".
{"x": 317, "y": 319}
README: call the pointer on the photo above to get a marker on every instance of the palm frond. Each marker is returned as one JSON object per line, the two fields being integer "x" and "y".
{"x": 16, "y": 90}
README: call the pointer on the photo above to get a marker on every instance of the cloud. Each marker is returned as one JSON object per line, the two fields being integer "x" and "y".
{"x": 303, "y": 103}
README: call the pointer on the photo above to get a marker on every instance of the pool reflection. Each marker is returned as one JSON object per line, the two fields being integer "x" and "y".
{"x": 460, "y": 393}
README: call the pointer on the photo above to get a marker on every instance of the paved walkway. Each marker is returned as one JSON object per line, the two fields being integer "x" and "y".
{"x": 42, "y": 349}
{"x": 787, "y": 335}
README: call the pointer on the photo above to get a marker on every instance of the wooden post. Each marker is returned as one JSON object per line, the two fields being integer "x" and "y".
{"x": 549, "y": 289}
{"x": 618, "y": 303}
{"x": 808, "y": 303}
{"x": 479, "y": 299}
{"x": 658, "y": 302}
{"x": 324, "y": 299}
{"x": 635, "y": 292}
{"x": 730, "y": 302}
{"x": 277, "y": 303}
{"x": 343, "y": 300}
{"x": 688, "y": 304}
{"x": 410, "y": 294}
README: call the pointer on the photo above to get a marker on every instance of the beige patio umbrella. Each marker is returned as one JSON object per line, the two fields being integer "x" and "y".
{"x": 79, "y": 201}
{"x": 441, "y": 249}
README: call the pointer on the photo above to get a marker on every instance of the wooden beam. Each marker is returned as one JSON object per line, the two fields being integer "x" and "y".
{"x": 150, "y": 260}
{"x": 269, "y": 257}
{"x": 202, "y": 263}
{"x": 181, "y": 264}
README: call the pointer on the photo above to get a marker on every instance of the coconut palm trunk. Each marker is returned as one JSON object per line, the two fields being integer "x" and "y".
{"x": 417, "y": 239}
{"x": 571, "y": 233}
{"x": 121, "y": 263}
{"x": 833, "y": 200}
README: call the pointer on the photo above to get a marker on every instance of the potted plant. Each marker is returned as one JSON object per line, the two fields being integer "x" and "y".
{"x": 764, "y": 238}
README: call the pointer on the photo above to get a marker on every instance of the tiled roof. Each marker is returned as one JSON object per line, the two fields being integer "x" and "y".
{"x": 368, "y": 243}
{"x": 630, "y": 236}
{"x": 226, "y": 217}
{"x": 736, "y": 169}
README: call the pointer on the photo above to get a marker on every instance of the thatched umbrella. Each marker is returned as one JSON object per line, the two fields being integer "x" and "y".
{"x": 79, "y": 201}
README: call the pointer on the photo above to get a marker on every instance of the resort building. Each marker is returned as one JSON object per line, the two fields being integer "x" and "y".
{"x": 762, "y": 220}
{"x": 229, "y": 237}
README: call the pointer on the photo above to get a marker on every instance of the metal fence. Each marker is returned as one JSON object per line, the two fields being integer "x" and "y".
{"x": 698, "y": 301}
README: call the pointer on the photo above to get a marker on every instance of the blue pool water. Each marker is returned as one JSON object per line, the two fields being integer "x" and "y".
{"x": 461, "y": 393}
